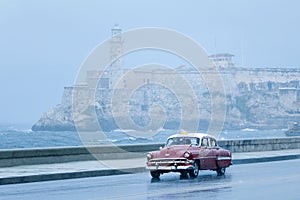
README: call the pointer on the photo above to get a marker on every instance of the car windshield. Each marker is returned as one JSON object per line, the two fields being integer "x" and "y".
{"x": 183, "y": 141}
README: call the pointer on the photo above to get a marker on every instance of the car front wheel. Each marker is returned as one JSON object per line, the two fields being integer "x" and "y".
{"x": 194, "y": 173}
{"x": 155, "y": 174}
{"x": 221, "y": 171}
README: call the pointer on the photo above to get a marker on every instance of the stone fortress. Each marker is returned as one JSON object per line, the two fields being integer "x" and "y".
{"x": 260, "y": 98}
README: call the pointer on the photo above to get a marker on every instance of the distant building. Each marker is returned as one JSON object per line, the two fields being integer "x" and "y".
{"x": 222, "y": 60}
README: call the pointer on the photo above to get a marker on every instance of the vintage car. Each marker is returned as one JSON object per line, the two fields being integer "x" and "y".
{"x": 188, "y": 153}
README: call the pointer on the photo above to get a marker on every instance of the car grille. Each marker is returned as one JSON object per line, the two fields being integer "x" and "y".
{"x": 164, "y": 161}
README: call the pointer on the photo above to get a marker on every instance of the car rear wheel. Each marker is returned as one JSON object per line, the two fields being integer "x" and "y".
{"x": 194, "y": 173}
{"x": 221, "y": 171}
{"x": 155, "y": 174}
{"x": 184, "y": 175}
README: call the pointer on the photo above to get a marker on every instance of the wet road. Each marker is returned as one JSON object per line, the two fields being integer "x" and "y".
{"x": 272, "y": 180}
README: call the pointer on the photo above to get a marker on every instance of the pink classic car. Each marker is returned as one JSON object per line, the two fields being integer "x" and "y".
{"x": 188, "y": 153}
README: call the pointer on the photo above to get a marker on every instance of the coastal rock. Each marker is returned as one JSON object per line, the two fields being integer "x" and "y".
{"x": 255, "y": 98}
{"x": 57, "y": 119}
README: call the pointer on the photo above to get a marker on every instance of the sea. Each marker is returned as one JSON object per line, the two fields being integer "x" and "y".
{"x": 20, "y": 136}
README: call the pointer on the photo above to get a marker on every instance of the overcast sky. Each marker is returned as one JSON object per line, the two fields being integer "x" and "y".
{"x": 43, "y": 43}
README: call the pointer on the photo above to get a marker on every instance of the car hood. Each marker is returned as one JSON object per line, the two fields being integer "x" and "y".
{"x": 174, "y": 151}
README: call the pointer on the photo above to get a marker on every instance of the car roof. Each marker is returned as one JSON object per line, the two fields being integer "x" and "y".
{"x": 186, "y": 134}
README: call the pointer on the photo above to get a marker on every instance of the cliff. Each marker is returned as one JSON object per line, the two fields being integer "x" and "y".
{"x": 255, "y": 98}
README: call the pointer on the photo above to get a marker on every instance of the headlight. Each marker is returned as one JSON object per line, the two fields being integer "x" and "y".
{"x": 149, "y": 156}
{"x": 187, "y": 154}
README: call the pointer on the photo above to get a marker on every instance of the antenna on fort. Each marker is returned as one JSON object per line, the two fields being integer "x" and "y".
{"x": 242, "y": 51}
{"x": 215, "y": 43}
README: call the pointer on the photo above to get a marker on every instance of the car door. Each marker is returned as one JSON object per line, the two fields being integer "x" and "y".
{"x": 205, "y": 154}
{"x": 213, "y": 153}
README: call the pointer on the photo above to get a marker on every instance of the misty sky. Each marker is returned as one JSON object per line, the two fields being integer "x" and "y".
{"x": 43, "y": 43}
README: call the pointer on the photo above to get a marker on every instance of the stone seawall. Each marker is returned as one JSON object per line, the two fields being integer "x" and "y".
{"x": 251, "y": 145}
{"x": 69, "y": 154}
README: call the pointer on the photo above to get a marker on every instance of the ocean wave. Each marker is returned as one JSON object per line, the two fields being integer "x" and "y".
{"x": 13, "y": 128}
{"x": 249, "y": 129}
{"x": 16, "y": 137}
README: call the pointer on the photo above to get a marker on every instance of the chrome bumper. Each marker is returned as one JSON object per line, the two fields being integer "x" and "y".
{"x": 170, "y": 168}
{"x": 170, "y": 164}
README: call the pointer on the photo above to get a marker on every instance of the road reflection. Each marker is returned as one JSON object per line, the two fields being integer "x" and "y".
{"x": 206, "y": 185}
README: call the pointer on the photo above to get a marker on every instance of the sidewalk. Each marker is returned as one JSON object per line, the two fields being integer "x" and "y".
{"x": 58, "y": 171}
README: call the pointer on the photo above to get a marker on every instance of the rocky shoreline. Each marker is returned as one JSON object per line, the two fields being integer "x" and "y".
{"x": 255, "y": 98}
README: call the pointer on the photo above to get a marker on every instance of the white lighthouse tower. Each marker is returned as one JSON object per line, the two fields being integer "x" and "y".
{"x": 116, "y": 50}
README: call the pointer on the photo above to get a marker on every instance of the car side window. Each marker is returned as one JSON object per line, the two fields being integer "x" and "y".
{"x": 205, "y": 142}
{"x": 197, "y": 142}
{"x": 213, "y": 142}
{"x": 170, "y": 142}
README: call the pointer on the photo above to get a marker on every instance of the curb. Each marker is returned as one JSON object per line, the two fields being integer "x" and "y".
{"x": 265, "y": 159}
{"x": 69, "y": 175}
{"x": 109, "y": 172}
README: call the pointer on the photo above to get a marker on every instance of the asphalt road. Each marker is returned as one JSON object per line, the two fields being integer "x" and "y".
{"x": 271, "y": 180}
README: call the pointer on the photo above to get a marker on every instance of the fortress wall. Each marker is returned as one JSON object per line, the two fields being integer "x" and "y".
{"x": 265, "y": 75}
{"x": 67, "y": 96}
